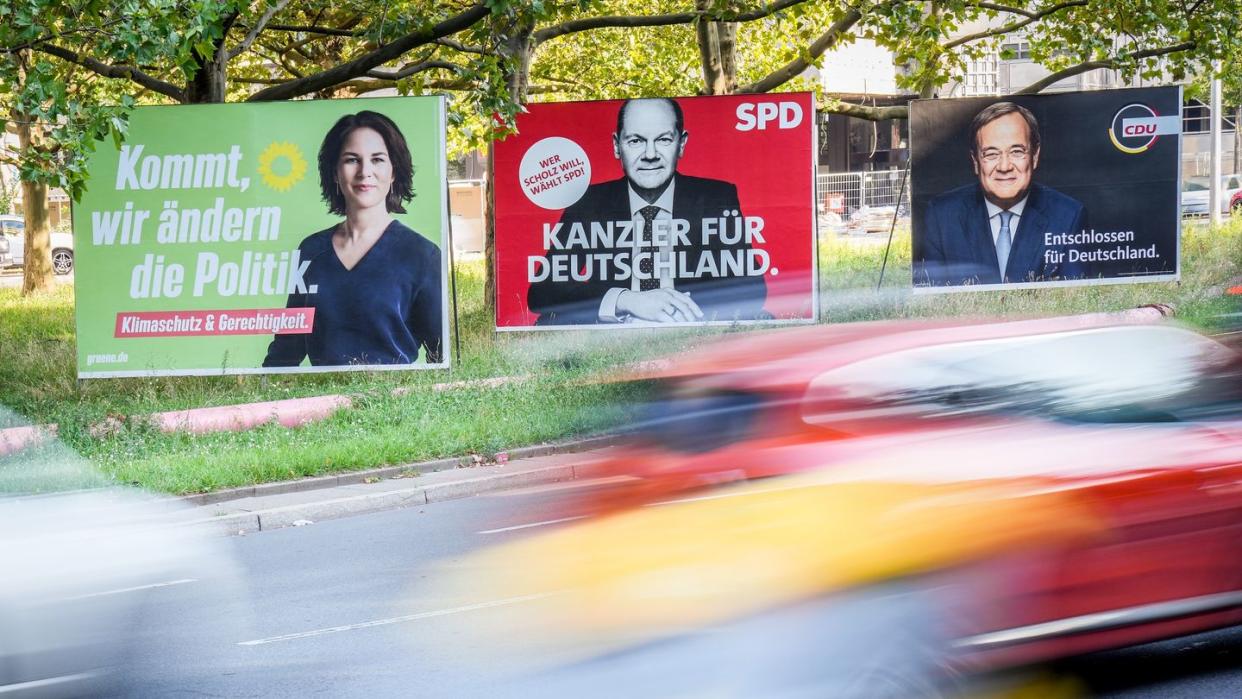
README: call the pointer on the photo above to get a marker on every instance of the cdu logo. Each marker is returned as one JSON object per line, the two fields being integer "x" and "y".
{"x": 1137, "y": 127}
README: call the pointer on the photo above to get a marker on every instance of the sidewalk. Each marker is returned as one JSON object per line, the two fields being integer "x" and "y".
{"x": 306, "y": 501}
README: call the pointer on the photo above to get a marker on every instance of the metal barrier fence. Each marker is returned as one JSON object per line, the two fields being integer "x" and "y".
{"x": 866, "y": 199}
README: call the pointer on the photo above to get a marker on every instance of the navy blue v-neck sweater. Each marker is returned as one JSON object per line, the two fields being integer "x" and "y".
{"x": 379, "y": 312}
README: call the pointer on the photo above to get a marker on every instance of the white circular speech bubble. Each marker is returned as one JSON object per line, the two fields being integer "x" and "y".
{"x": 555, "y": 172}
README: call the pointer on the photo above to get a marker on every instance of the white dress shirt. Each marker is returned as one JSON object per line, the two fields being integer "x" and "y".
{"x": 663, "y": 222}
{"x": 994, "y": 219}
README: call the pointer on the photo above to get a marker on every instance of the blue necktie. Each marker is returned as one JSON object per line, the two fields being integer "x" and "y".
{"x": 1004, "y": 242}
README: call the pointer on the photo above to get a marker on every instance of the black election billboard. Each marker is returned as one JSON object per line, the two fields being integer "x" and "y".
{"x": 1046, "y": 190}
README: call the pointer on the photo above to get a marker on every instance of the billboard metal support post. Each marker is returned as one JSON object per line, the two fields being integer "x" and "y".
{"x": 896, "y": 210}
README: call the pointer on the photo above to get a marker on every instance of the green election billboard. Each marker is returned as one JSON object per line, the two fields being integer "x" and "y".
{"x": 266, "y": 238}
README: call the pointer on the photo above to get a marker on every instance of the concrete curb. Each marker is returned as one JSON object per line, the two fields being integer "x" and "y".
{"x": 266, "y": 519}
{"x": 291, "y": 412}
{"x": 359, "y": 477}
{"x": 14, "y": 439}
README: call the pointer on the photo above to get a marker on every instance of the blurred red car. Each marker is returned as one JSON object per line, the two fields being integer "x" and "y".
{"x": 1139, "y": 423}
{"x": 809, "y": 397}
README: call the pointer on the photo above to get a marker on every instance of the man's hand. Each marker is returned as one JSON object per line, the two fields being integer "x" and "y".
{"x": 659, "y": 305}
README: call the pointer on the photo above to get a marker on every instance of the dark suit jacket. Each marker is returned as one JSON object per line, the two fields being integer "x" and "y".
{"x": 955, "y": 246}
{"x": 694, "y": 198}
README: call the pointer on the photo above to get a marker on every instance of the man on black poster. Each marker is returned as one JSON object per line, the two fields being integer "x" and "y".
{"x": 994, "y": 231}
{"x": 667, "y": 209}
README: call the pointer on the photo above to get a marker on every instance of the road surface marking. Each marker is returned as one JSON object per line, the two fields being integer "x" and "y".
{"x": 532, "y": 524}
{"x": 394, "y": 620}
{"x": 558, "y": 486}
{"x": 138, "y": 588}
{"x": 47, "y": 682}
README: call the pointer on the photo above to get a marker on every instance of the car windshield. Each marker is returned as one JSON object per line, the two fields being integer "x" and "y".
{"x": 1123, "y": 374}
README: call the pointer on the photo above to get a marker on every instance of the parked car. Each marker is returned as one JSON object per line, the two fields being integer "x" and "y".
{"x": 13, "y": 229}
{"x": 1195, "y": 193}
{"x": 911, "y": 500}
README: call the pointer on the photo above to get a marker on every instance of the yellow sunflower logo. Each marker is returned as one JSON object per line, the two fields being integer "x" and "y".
{"x": 282, "y": 166}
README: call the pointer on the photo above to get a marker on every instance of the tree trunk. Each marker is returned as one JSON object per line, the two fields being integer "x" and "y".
{"x": 6, "y": 195}
{"x": 208, "y": 86}
{"x": 709, "y": 55}
{"x": 208, "y": 83}
{"x": 726, "y": 33}
{"x": 717, "y": 53}
{"x": 489, "y": 235}
{"x": 927, "y": 88}
{"x": 519, "y": 49}
{"x": 37, "y": 273}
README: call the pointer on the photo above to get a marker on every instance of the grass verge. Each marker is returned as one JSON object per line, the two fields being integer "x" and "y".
{"x": 37, "y": 374}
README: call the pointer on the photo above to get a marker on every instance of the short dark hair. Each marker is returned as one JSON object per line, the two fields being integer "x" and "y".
{"x": 402, "y": 189}
{"x": 992, "y": 112}
{"x": 678, "y": 119}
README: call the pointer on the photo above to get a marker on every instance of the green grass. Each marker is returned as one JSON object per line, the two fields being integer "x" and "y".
{"x": 558, "y": 400}
{"x": 1211, "y": 257}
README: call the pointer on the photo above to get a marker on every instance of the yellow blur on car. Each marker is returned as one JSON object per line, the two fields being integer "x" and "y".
{"x": 661, "y": 570}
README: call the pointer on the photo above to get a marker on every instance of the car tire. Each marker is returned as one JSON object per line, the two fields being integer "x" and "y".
{"x": 62, "y": 261}
{"x": 1236, "y": 209}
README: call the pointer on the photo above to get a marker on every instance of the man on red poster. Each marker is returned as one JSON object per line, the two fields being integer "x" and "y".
{"x": 654, "y": 246}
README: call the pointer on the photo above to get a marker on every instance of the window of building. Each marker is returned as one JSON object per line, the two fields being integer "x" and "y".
{"x": 1016, "y": 50}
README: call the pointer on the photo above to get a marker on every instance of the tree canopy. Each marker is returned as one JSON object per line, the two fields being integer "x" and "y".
{"x": 71, "y": 69}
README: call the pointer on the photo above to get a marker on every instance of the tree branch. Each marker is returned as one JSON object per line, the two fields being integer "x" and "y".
{"x": 790, "y": 70}
{"x": 302, "y": 29}
{"x": 360, "y": 65}
{"x": 113, "y": 71}
{"x": 1030, "y": 18}
{"x": 408, "y": 70}
{"x": 1004, "y": 8}
{"x": 765, "y": 11}
{"x": 862, "y": 111}
{"x": 258, "y": 27}
{"x": 276, "y": 55}
{"x": 458, "y": 46}
{"x": 1109, "y": 63}
{"x": 364, "y": 86}
{"x": 589, "y": 23}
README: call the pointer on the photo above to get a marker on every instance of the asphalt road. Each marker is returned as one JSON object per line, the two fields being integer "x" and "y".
{"x": 338, "y": 608}
{"x": 11, "y": 278}
{"x": 1203, "y": 665}
{"x": 349, "y": 586}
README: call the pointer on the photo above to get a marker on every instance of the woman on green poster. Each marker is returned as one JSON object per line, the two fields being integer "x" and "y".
{"x": 374, "y": 284}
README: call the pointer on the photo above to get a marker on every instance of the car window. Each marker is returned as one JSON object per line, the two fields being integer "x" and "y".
{"x": 1123, "y": 374}
{"x": 1194, "y": 185}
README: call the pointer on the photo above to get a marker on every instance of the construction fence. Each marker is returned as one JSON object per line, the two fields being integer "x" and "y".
{"x": 862, "y": 201}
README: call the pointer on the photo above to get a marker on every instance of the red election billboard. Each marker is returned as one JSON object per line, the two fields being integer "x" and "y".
{"x": 649, "y": 212}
